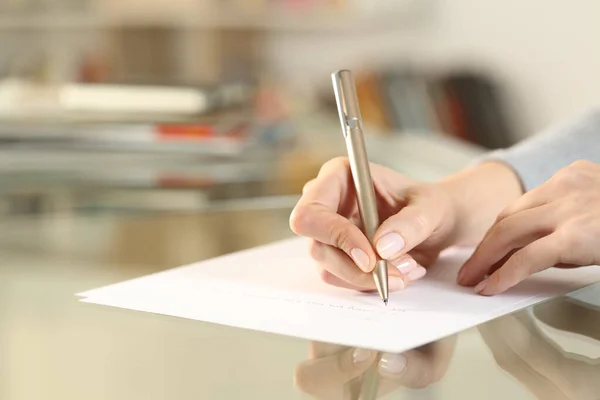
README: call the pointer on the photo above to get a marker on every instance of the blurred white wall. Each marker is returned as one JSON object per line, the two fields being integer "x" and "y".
{"x": 548, "y": 53}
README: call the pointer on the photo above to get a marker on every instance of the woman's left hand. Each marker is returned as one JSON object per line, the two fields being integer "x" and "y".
{"x": 554, "y": 225}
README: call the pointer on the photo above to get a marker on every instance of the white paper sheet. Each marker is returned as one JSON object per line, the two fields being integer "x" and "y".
{"x": 276, "y": 288}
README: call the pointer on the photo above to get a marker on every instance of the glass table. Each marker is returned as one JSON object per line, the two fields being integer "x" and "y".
{"x": 60, "y": 242}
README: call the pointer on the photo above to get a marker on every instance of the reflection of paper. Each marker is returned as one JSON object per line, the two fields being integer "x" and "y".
{"x": 589, "y": 295}
{"x": 276, "y": 288}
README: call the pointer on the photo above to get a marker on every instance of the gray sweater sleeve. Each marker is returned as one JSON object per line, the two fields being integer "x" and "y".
{"x": 539, "y": 157}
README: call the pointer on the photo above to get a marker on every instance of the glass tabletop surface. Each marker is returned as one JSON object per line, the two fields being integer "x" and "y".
{"x": 60, "y": 240}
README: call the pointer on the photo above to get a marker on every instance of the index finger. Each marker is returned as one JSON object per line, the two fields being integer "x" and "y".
{"x": 511, "y": 233}
{"x": 417, "y": 368}
{"x": 334, "y": 371}
{"x": 316, "y": 214}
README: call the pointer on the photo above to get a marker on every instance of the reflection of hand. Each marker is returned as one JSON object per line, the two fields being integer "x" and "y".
{"x": 556, "y": 224}
{"x": 525, "y": 352}
{"x": 332, "y": 371}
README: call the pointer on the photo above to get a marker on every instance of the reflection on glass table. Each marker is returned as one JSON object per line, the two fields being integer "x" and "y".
{"x": 524, "y": 345}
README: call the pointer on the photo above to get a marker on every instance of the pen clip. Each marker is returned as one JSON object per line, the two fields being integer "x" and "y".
{"x": 346, "y": 100}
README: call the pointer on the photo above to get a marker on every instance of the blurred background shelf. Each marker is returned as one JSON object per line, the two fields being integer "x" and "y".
{"x": 426, "y": 79}
{"x": 231, "y": 15}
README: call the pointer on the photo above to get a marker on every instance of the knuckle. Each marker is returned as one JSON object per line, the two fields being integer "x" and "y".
{"x": 564, "y": 177}
{"x": 299, "y": 219}
{"x": 500, "y": 228}
{"x": 308, "y": 185}
{"x": 505, "y": 213}
{"x": 521, "y": 264}
{"x": 577, "y": 174}
{"x": 336, "y": 163}
{"x": 582, "y": 164}
{"x": 519, "y": 259}
{"x": 575, "y": 238}
{"x": 339, "y": 237}
{"x": 502, "y": 216}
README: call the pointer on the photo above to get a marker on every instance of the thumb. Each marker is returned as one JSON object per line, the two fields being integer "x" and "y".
{"x": 407, "y": 229}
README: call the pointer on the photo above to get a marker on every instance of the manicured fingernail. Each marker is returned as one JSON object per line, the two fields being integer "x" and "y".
{"x": 360, "y": 355}
{"x": 361, "y": 259}
{"x": 395, "y": 283}
{"x": 480, "y": 286}
{"x": 416, "y": 273}
{"x": 406, "y": 265}
{"x": 390, "y": 245}
{"x": 392, "y": 365}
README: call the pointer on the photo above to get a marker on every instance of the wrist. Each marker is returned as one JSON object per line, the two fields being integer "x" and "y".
{"x": 458, "y": 215}
{"x": 477, "y": 195}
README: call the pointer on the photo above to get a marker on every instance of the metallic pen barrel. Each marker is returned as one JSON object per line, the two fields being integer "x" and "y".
{"x": 350, "y": 120}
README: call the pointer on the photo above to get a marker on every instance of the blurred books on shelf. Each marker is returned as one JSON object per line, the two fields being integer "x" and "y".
{"x": 463, "y": 104}
{"x": 27, "y": 100}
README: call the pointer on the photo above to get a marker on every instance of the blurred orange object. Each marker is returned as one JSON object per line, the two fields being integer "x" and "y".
{"x": 371, "y": 102}
{"x": 179, "y": 131}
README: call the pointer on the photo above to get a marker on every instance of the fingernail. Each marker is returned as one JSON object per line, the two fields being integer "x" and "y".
{"x": 480, "y": 286}
{"x": 395, "y": 283}
{"x": 392, "y": 365}
{"x": 416, "y": 273}
{"x": 390, "y": 245}
{"x": 406, "y": 265}
{"x": 361, "y": 259}
{"x": 360, "y": 355}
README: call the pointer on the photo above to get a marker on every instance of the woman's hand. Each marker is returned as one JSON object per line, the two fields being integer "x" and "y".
{"x": 556, "y": 224}
{"x": 417, "y": 222}
{"x": 335, "y": 372}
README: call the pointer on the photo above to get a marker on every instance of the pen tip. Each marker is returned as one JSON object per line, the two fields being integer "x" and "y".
{"x": 385, "y": 302}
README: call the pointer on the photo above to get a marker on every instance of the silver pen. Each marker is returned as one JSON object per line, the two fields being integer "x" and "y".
{"x": 347, "y": 103}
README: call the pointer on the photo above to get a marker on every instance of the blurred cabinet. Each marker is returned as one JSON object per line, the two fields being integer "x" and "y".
{"x": 186, "y": 41}
{"x": 196, "y": 57}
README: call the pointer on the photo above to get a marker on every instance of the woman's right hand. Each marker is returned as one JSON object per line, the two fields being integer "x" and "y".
{"x": 418, "y": 220}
